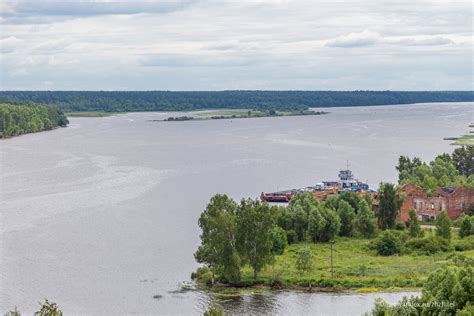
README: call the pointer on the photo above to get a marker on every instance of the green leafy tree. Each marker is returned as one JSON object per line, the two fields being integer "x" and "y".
{"x": 323, "y": 224}
{"x": 255, "y": 226}
{"x": 347, "y": 215}
{"x": 449, "y": 290}
{"x": 365, "y": 223}
{"x": 279, "y": 240}
{"x": 463, "y": 158}
{"x": 304, "y": 260}
{"x": 387, "y": 244}
{"x": 414, "y": 227}
{"x": 352, "y": 198}
{"x": 48, "y": 309}
{"x": 406, "y": 168}
{"x": 218, "y": 247}
{"x": 443, "y": 226}
{"x": 390, "y": 203}
{"x": 466, "y": 226}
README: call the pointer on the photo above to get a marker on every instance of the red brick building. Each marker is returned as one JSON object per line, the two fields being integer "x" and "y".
{"x": 452, "y": 200}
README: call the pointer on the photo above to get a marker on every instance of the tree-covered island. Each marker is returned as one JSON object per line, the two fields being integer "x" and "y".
{"x": 342, "y": 243}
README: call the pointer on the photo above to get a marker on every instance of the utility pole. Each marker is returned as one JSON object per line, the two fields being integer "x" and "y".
{"x": 331, "y": 242}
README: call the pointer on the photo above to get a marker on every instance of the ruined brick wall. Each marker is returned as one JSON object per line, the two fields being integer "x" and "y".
{"x": 454, "y": 202}
{"x": 459, "y": 201}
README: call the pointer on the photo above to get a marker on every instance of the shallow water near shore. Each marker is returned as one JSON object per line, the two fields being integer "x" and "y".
{"x": 101, "y": 216}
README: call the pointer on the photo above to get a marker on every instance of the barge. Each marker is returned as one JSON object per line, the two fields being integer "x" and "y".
{"x": 346, "y": 183}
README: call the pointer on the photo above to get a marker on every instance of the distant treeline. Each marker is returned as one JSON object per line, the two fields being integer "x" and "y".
{"x": 21, "y": 119}
{"x": 125, "y": 101}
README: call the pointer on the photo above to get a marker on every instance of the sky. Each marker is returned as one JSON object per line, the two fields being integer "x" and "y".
{"x": 223, "y": 45}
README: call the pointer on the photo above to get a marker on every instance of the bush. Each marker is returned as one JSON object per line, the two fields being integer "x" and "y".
{"x": 365, "y": 220}
{"x": 400, "y": 226}
{"x": 467, "y": 243}
{"x": 387, "y": 244}
{"x": 279, "y": 240}
{"x": 429, "y": 245}
{"x": 466, "y": 225}
{"x": 443, "y": 226}
{"x": 203, "y": 275}
{"x": 304, "y": 260}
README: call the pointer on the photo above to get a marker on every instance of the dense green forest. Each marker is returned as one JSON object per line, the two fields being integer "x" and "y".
{"x": 21, "y": 119}
{"x": 123, "y": 101}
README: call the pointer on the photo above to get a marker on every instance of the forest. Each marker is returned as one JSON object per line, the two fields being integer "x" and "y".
{"x": 126, "y": 101}
{"x": 21, "y": 119}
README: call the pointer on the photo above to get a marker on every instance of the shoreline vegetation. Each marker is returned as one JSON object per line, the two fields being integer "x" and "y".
{"x": 91, "y": 114}
{"x": 340, "y": 244}
{"x": 239, "y": 114}
{"x": 465, "y": 140}
{"x": 16, "y": 119}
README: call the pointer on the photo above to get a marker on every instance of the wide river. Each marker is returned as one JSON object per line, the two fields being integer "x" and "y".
{"x": 102, "y": 215}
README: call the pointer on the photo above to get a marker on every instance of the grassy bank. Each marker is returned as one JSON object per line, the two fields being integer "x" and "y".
{"x": 90, "y": 114}
{"x": 465, "y": 140}
{"x": 356, "y": 268}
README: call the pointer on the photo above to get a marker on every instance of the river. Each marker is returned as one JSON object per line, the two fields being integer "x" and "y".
{"x": 102, "y": 215}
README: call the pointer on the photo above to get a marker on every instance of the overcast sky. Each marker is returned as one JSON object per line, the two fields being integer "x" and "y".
{"x": 217, "y": 45}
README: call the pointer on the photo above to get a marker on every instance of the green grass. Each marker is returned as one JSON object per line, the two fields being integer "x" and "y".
{"x": 467, "y": 139}
{"x": 244, "y": 113}
{"x": 229, "y": 113}
{"x": 90, "y": 114}
{"x": 355, "y": 267}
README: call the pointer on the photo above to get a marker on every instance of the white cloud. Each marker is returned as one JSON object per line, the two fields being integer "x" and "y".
{"x": 9, "y": 44}
{"x": 364, "y": 38}
{"x": 210, "y": 44}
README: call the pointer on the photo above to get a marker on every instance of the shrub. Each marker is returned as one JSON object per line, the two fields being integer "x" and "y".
{"x": 203, "y": 275}
{"x": 214, "y": 310}
{"x": 279, "y": 240}
{"x": 466, "y": 226}
{"x": 467, "y": 243}
{"x": 387, "y": 244}
{"x": 443, "y": 226}
{"x": 304, "y": 260}
{"x": 400, "y": 226}
{"x": 413, "y": 224}
{"x": 429, "y": 245}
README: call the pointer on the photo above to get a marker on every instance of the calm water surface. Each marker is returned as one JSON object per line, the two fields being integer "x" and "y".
{"x": 101, "y": 216}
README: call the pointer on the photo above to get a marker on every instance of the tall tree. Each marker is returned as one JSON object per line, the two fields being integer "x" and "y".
{"x": 365, "y": 219}
{"x": 406, "y": 168}
{"x": 255, "y": 226}
{"x": 443, "y": 226}
{"x": 463, "y": 158}
{"x": 347, "y": 215}
{"x": 414, "y": 227}
{"x": 218, "y": 247}
{"x": 390, "y": 203}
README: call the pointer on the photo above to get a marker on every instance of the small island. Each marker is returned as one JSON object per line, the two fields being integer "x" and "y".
{"x": 242, "y": 113}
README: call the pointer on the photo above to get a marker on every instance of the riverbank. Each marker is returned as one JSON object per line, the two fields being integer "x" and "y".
{"x": 356, "y": 268}
{"x": 91, "y": 114}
